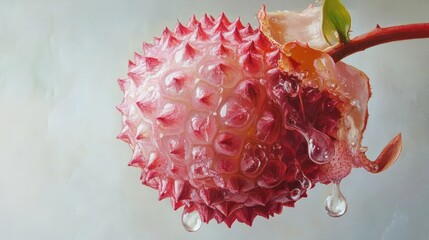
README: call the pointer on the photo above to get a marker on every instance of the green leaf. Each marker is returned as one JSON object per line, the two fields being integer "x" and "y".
{"x": 336, "y": 22}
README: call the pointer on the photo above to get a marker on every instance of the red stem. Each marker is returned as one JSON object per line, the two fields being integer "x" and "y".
{"x": 379, "y": 36}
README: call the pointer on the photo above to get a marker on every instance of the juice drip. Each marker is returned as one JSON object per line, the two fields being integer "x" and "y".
{"x": 336, "y": 204}
{"x": 191, "y": 221}
{"x": 320, "y": 146}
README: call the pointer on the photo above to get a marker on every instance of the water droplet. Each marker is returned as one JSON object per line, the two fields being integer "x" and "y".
{"x": 305, "y": 182}
{"x": 191, "y": 221}
{"x": 336, "y": 203}
{"x": 374, "y": 167}
{"x": 313, "y": 84}
{"x": 355, "y": 103}
{"x": 291, "y": 87}
{"x": 320, "y": 147}
{"x": 295, "y": 194}
{"x": 363, "y": 149}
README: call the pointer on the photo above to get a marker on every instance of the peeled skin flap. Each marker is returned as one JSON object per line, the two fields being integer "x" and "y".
{"x": 305, "y": 29}
{"x": 286, "y": 26}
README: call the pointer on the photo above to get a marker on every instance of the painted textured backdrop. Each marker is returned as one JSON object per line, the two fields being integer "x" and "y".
{"x": 63, "y": 175}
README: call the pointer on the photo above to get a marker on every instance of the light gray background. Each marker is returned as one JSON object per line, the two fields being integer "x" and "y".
{"x": 63, "y": 175}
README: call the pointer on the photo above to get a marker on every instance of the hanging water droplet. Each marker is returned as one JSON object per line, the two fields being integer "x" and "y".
{"x": 336, "y": 203}
{"x": 191, "y": 221}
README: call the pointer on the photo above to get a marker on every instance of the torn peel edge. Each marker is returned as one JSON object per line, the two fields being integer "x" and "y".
{"x": 264, "y": 26}
{"x": 387, "y": 157}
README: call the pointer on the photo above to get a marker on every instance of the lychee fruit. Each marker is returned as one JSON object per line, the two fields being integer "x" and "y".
{"x": 231, "y": 123}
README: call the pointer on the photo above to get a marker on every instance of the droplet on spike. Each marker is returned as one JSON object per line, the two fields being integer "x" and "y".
{"x": 191, "y": 221}
{"x": 336, "y": 204}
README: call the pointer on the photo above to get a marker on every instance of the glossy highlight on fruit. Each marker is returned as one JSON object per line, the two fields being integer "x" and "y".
{"x": 232, "y": 123}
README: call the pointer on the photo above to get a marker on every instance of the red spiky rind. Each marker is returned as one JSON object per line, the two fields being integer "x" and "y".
{"x": 233, "y": 35}
{"x": 185, "y": 53}
{"x": 184, "y": 151}
{"x": 248, "y": 30}
{"x": 222, "y": 18}
{"x": 220, "y": 50}
{"x": 219, "y": 27}
{"x": 206, "y": 21}
{"x": 169, "y": 41}
{"x": 199, "y": 34}
{"x": 237, "y": 24}
{"x": 181, "y": 30}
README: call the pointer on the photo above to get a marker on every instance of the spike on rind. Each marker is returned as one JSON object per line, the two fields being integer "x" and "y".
{"x": 187, "y": 52}
{"x": 165, "y": 189}
{"x": 211, "y": 196}
{"x": 156, "y": 40}
{"x": 167, "y": 32}
{"x": 137, "y": 160}
{"x": 237, "y": 24}
{"x": 150, "y": 63}
{"x": 192, "y": 22}
{"x": 248, "y": 30}
{"x": 124, "y": 135}
{"x": 182, "y": 190}
{"x": 121, "y": 83}
{"x": 222, "y": 18}
{"x": 220, "y": 50}
{"x": 245, "y": 216}
{"x": 262, "y": 41}
{"x": 146, "y": 47}
{"x": 199, "y": 34}
{"x": 182, "y": 30}
{"x": 131, "y": 65}
{"x": 272, "y": 58}
{"x": 220, "y": 28}
{"x": 233, "y": 35}
{"x": 250, "y": 63}
{"x": 170, "y": 42}
{"x": 218, "y": 37}
{"x": 248, "y": 47}
{"x": 206, "y": 22}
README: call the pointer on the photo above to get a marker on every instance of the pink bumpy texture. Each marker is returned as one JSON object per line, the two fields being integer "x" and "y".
{"x": 216, "y": 126}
